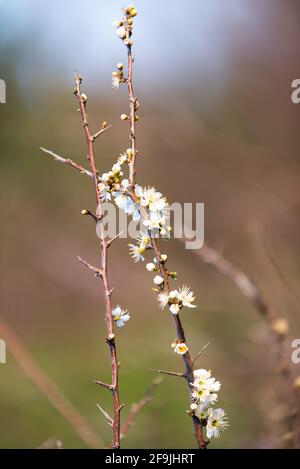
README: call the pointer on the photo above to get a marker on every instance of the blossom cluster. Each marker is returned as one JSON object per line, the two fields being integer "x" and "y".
{"x": 204, "y": 394}
{"x": 124, "y": 26}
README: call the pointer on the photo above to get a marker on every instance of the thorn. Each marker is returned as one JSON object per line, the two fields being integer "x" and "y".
{"x": 104, "y": 385}
{"x": 171, "y": 373}
{"x": 100, "y": 132}
{"x": 106, "y": 415}
{"x": 121, "y": 407}
{"x": 88, "y": 212}
{"x": 200, "y": 353}
{"x": 97, "y": 272}
{"x": 109, "y": 242}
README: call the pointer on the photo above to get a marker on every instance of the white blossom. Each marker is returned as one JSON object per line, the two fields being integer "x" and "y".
{"x": 186, "y": 297}
{"x": 137, "y": 252}
{"x": 216, "y": 422}
{"x": 121, "y": 31}
{"x": 180, "y": 348}
{"x": 115, "y": 82}
{"x": 120, "y": 316}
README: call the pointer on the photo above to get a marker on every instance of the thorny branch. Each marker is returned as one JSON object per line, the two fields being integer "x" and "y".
{"x": 179, "y": 330}
{"x": 110, "y": 340}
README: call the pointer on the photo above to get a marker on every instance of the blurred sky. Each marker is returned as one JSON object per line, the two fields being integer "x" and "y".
{"x": 52, "y": 38}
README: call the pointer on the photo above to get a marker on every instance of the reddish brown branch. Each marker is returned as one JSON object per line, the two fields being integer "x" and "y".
{"x": 104, "y": 276}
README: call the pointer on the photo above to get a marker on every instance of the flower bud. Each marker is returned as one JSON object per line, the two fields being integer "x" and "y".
{"x": 297, "y": 383}
{"x": 150, "y": 267}
{"x": 120, "y": 66}
{"x": 280, "y": 326}
{"x": 123, "y": 117}
{"x": 158, "y": 280}
{"x": 104, "y": 125}
{"x": 121, "y": 31}
{"x": 136, "y": 118}
{"x": 84, "y": 211}
{"x": 163, "y": 258}
{"x": 128, "y": 42}
{"x": 83, "y": 98}
{"x": 193, "y": 406}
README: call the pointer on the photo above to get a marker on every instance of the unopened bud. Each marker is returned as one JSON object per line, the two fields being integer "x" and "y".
{"x": 84, "y": 211}
{"x": 280, "y": 326}
{"x": 297, "y": 383}
{"x": 124, "y": 117}
{"x": 120, "y": 66}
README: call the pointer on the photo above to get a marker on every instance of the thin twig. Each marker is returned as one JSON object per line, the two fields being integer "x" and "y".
{"x": 47, "y": 387}
{"x": 109, "y": 419}
{"x": 171, "y": 373}
{"x": 200, "y": 353}
{"x": 104, "y": 276}
{"x": 67, "y": 161}
{"x": 180, "y": 334}
{"x": 97, "y": 272}
{"x": 104, "y": 385}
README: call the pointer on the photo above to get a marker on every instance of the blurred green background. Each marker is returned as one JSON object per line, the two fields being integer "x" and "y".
{"x": 217, "y": 126}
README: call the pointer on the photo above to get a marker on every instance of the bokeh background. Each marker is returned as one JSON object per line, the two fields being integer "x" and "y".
{"x": 217, "y": 126}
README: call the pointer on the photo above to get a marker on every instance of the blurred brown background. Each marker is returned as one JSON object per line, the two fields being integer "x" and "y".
{"x": 217, "y": 126}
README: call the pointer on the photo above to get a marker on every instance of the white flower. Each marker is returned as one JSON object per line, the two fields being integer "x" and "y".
{"x": 143, "y": 239}
{"x": 163, "y": 299}
{"x": 120, "y": 316}
{"x": 122, "y": 159}
{"x": 201, "y": 377}
{"x": 155, "y": 220}
{"x": 216, "y": 422}
{"x": 125, "y": 203}
{"x": 201, "y": 372}
{"x": 193, "y": 406}
{"x": 115, "y": 82}
{"x": 124, "y": 183}
{"x": 136, "y": 252}
{"x": 150, "y": 267}
{"x": 201, "y": 413}
{"x": 121, "y": 31}
{"x": 158, "y": 280}
{"x": 213, "y": 385}
{"x": 201, "y": 394}
{"x": 116, "y": 168}
{"x": 180, "y": 348}
{"x": 174, "y": 308}
{"x": 105, "y": 177}
{"x": 104, "y": 192}
{"x": 186, "y": 297}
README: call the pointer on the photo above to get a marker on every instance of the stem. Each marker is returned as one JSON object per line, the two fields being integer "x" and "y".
{"x": 104, "y": 276}
{"x": 180, "y": 334}
{"x": 132, "y": 104}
